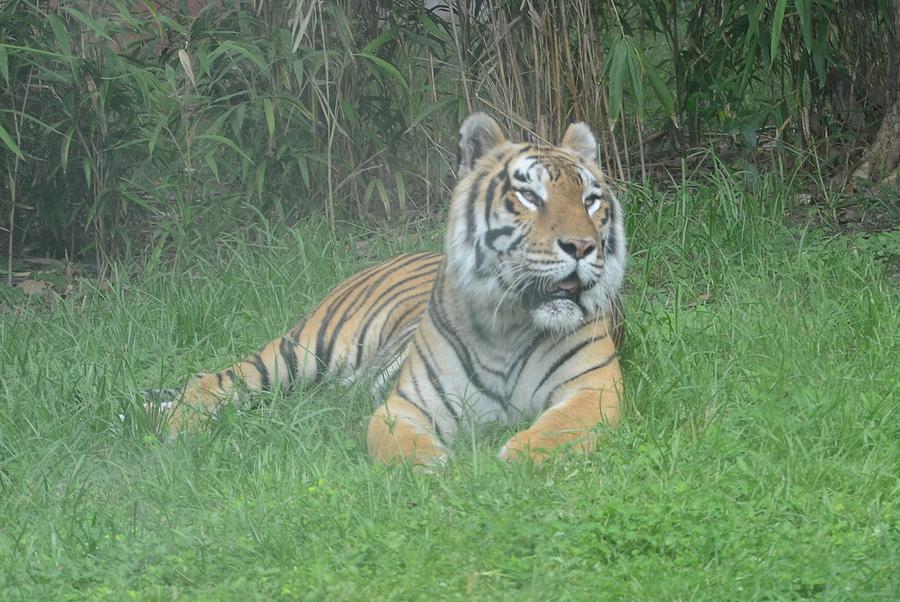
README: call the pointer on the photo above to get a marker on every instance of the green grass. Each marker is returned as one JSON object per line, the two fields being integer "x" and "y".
{"x": 759, "y": 458}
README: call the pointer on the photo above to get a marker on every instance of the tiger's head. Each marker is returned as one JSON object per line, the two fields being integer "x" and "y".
{"x": 535, "y": 231}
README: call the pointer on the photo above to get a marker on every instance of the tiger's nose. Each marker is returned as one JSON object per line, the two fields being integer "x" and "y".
{"x": 576, "y": 247}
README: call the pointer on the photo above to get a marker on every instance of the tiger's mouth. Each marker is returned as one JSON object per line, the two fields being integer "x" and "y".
{"x": 539, "y": 292}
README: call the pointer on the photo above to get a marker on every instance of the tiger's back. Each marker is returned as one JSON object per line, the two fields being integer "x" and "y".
{"x": 360, "y": 328}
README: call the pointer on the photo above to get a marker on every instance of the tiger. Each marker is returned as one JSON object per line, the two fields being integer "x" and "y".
{"x": 517, "y": 319}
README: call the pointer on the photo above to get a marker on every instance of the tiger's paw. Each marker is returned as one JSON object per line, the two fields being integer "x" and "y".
{"x": 180, "y": 417}
{"x": 174, "y": 411}
{"x": 537, "y": 446}
{"x": 431, "y": 464}
{"x": 422, "y": 452}
{"x": 395, "y": 440}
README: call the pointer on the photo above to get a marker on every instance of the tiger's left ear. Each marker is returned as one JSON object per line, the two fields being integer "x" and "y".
{"x": 580, "y": 139}
{"x": 478, "y": 134}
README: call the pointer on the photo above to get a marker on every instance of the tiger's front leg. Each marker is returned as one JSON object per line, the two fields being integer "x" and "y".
{"x": 591, "y": 400}
{"x": 399, "y": 431}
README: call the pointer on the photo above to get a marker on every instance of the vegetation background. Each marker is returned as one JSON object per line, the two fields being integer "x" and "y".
{"x": 180, "y": 180}
{"x": 125, "y": 125}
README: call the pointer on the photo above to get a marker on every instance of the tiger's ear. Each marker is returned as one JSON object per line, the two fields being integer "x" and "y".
{"x": 580, "y": 139}
{"x": 477, "y": 135}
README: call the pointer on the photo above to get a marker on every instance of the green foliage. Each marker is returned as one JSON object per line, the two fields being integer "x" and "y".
{"x": 749, "y": 64}
{"x": 758, "y": 458}
{"x": 124, "y": 126}
{"x": 121, "y": 121}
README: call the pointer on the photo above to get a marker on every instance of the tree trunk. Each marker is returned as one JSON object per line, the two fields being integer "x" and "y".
{"x": 882, "y": 157}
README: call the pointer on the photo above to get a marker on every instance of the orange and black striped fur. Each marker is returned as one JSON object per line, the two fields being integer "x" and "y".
{"x": 516, "y": 320}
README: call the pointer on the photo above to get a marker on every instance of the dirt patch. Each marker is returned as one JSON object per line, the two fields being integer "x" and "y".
{"x": 871, "y": 215}
{"x": 41, "y": 280}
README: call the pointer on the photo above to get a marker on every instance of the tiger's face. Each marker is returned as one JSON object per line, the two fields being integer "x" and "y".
{"x": 535, "y": 231}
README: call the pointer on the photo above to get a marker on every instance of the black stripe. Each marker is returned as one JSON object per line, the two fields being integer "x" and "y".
{"x": 405, "y": 397}
{"x": 219, "y": 380}
{"x": 511, "y": 207}
{"x": 260, "y": 366}
{"x": 602, "y": 364}
{"x": 467, "y": 356}
{"x": 390, "y": 298}
{"x": 492, "y": 235}
{"x": 515, "y": 244}
{"x": 612, "y": 243}
{"x": 477, "y": 150}
{"x": 380, "y": 276}
{"x": 459, "y": 348}
{"x": 522, "y": 360}
{"x": 297, "y": 330}
{"x": 564, "y": 358}
{"x": 434, "y": 379}
{"x": 479, "y": 259}
{"x": 477, "y": 328}
{"x": 386, "y": 336}
{"x": 488, "y": 200}
{"x": 352, "y": 285}
{"x": 286, "y": 348}
{"x": 490, "y": 195}
{"x": 474, "y": 193}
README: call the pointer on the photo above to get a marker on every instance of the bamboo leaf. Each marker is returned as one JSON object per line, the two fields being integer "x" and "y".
{"x": 64, "y": 149}
{"x": 60, "y": 34}
{"x": 126, "y": 15}
{"x": 401, "y": 190}
{"x": 303, "y": 165}
{"x": 270, "y": 118}
{"x": 386, "y": 68}
{"x": 154, "y": 136}
{"x": 430, "y": 108}
{"x": 349, "y": 112}
{"x": 432, "y": 27}
{"x": 384, "y": 38}
{"x": 616, "y": 82}
{"x": 634, "y": 75}
{"x": 299, "y": 24}
{"x": 4, "y": 63}
{"x": 663, "y": 94}
{"x": 820, "y": 46}
{"x": 299, "y": 72}
{"x": 229, "y": 143}
{"x": 237, "y": 124}
{"x": 385, "y": 198}
{"x": 340, "y": 25}
{"x": 10, "y": 143}
{"x": 803, "y": 11}
{"x": 367, "y": 196}
{"x": 777, "y": 21}
{"x": 230, "y": 47}
{"x": 185, "y": 61}
{"x": 86, "y": 168}
{"x": 260, "y": 180}
{"x": 90, "y": 23}
{"x": 211, "y": 163}
{"x": 167, "y": 21}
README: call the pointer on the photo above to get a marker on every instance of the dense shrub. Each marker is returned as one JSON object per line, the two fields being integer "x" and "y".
{"x": 121, "y": 124}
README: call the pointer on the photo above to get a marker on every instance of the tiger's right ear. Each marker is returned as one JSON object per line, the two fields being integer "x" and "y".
{"x": 478, "y": 134}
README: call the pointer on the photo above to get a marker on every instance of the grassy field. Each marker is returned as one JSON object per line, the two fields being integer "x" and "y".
{"x": 759, "y": 458}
